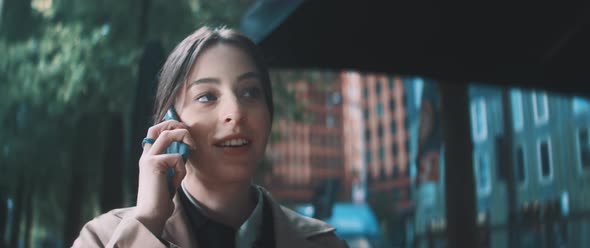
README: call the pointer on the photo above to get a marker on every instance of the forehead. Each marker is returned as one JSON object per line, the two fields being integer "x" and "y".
{"x": 222, "y": 61}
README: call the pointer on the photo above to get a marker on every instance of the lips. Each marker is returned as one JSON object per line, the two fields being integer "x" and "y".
{"x": 233, "y": 141}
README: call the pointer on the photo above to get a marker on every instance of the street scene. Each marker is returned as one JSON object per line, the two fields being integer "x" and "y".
{"x": 388, "y": 153}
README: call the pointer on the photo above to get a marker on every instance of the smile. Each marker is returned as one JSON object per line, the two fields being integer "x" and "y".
{"x": 234, "y": 143}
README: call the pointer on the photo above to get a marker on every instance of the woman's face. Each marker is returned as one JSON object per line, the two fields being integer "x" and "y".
{"x": 224, "y": 106}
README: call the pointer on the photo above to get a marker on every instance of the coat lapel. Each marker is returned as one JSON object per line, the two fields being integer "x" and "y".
{"x": 177, "y": 229}
{"x": 292, "y": 230}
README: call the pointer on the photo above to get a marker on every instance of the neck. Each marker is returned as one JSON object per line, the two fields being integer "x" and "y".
{"x": 230, "y": 204}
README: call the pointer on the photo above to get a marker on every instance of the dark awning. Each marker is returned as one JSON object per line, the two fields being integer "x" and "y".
{"x": 537, "y": 44}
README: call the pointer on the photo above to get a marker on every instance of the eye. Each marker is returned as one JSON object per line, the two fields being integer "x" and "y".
{"x": 252, "y": 92}
{"x": 207, "y": 97}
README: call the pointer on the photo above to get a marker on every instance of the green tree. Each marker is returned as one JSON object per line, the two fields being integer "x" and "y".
{"x": 68, "y": 80}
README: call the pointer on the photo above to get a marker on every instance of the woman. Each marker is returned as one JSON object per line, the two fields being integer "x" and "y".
{"x": 220, "y": 88}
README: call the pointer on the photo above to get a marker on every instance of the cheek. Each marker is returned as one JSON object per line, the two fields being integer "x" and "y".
{"x": 262, "y": 125}
{"x": 199, "y": 133}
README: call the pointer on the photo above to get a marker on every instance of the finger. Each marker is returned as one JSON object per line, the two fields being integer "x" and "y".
{"x": 171, "y": 161}
{"x": 167, "y": 137}
{"x": 180, "y": 172}
{"x": 155, "y": 131}
{"x": 159, "y": 164}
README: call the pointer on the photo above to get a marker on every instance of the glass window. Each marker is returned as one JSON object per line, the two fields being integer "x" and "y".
{"x": 483, "y": 175}
{"x": 366, "y": 92}
{"x": 379, "y": 110}
{"x": 335, "y": 98}
{"x": 366, "y": 113}
{"x": 394, "y": 149}
{"x": 381, "y": 153}
{"x": 516, "y": 102}
{"x": 584, "y": 148}
{"x": 520, "y": 165}
{"x": 540, "y": 107}
{"x": 479, "y": 119}
{"x": 418, "y": 87}
{"x": 368, "y": 157}
{"x": 330, "y": 121}
{"x": 390, "y": 83}
{"x": 368, "y": 135}
{"x": 380, "y": 130}
{"x": 545, "y": 159}
{"x": 580, "y": 105}
{"x": 391, "y": 105}
{"x": 378, "y": 87}
{"x": 393, "y": 127}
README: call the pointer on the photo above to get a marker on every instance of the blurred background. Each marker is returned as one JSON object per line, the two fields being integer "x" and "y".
{"x": 362, "y": 150}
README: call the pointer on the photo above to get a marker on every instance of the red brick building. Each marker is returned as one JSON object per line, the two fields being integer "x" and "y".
{"x": 311, "y": 150}
{"x": 355, "y": 132}
{"x": 385, "y": 136}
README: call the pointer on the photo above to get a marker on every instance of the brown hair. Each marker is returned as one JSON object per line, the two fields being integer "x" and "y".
{"x": 178, "y": 65}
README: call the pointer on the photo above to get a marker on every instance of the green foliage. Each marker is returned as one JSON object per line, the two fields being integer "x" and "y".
{"x": 61, "y": 67}
{"x": 79, "y": 60}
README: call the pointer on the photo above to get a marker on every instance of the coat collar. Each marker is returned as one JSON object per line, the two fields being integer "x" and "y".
{"x": 291, "y": 229}
{"x": 177, "y": 229}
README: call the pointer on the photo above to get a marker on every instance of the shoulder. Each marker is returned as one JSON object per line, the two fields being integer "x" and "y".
{"x": 112, "y": 217}
{"x": 305, "y": 225}
{"x": 314, "y": 230}
{"x": 101, "y": 228}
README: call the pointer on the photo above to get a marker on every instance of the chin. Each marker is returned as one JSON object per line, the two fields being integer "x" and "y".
{"x": 235, "y": 173}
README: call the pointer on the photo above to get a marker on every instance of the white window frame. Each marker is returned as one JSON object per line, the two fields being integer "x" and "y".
{"x": 479, "y": 135}
{"x": 539, "y": 120}
{"x": 516, "y": 100}
{"x": 579, "y": 150}
{"x": 549, "y": 178}
{"x": 487, "y": 189}
{"x": 525, "y": 162}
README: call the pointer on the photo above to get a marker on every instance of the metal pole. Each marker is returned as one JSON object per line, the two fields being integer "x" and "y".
{"x": 459, "y": 178}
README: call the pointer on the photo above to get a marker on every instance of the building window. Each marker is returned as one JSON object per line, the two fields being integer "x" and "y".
{"x": 380, "y": 130}
{"x": 368, "y": 135}
{"x": 394, "y": 149}
{"x": 580, "y": 105}
{"x": 391, "y": 82}
{"x": 330, "y": 121}
{"x": 540, "y": 107}
{"x": 381, "y": 153}
{"x": 335, "y": 98}
{"x": 377, "y": 88}
{"x": 483, "y": 174}
{"x": 392, "y": 127}
{"x": 544, "y": 156}
{"x": 366, "y": 113}
{"x": 516, "y": 102}
{"x": 418, "y": 87}
{"x": 368, "y": 157}
{"x": 379, "y": 110}
{"x": 520, "y": 165}
{"x": 366, "y": 93}
{"x": 479, "y": 119}
{"x": 391, "y": 105}
{"x": 584, "y": 148}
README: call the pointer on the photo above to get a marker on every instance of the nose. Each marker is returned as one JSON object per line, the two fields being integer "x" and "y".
{"x": 232, "y": 111}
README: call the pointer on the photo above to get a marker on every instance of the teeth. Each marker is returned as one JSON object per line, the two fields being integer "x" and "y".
{"x": 234, "y": 142}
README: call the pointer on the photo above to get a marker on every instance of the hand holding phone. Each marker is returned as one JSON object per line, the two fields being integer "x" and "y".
{"x": 156, "y": 178}
{"x": 175, "y": 147}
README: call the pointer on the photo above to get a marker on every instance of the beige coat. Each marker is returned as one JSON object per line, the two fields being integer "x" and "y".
{"x": 117, "y": 229}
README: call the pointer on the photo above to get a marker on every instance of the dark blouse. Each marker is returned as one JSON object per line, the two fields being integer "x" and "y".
{"x": 210, "y": 233}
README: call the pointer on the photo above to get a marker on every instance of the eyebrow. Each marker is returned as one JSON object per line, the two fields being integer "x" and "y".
{"x": 209, "y": 80}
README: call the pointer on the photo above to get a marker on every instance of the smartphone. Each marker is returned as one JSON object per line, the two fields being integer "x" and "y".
{"x": 175, "y": 147}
